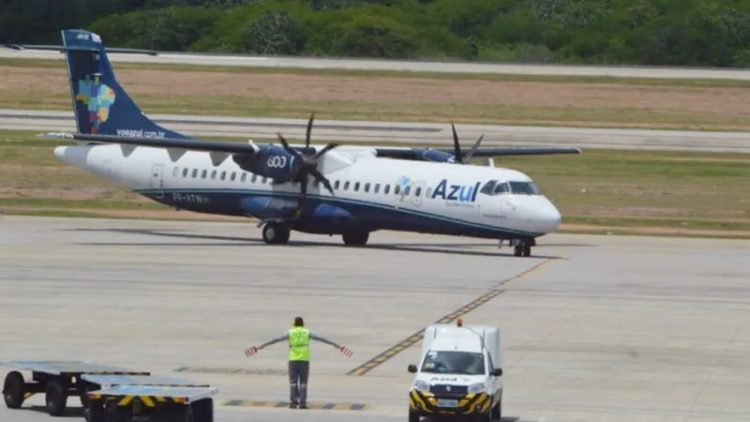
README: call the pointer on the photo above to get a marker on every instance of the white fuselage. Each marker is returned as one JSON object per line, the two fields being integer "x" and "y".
{"x": 377, "y": 192}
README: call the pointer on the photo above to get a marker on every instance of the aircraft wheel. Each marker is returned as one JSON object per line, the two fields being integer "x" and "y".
{"x": 518, "y": 250}
{"x": 275, "y": 234}
{"x": 14, "y": 390}
{"x": 56, "y": 399}
{"x": 355, "y": 238}
{"x": 526, "y": 249}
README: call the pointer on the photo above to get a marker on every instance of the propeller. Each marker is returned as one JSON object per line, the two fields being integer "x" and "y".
{"x": 459, "y": 157}
{"x": 309, "y": 164}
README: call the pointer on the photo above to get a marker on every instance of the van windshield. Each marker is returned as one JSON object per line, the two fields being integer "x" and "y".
{"x": 460, "y": 363}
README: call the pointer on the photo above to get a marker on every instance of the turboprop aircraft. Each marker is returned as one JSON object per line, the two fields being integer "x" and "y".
{"x": 330, "y": 189}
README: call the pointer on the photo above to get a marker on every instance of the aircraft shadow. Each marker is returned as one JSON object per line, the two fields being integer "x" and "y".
{"x": 451, "y": 248}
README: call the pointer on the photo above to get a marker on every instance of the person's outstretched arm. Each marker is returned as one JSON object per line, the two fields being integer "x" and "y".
{"x": 252, "y": 350}
{"x": 343, "y": 349}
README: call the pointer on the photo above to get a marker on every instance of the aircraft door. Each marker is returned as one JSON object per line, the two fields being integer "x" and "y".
{"x": 157, "y": 180}
{"x": 418, "y": 193}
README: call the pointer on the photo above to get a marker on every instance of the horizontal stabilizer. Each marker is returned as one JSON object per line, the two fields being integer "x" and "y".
{"x": 62, "y": 48}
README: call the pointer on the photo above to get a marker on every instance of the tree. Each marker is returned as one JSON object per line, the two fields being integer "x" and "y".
{"x": 274, "y": 32}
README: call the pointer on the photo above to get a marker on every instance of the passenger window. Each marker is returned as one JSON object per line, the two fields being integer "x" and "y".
{"x": 386, "y": 189}
{"x": 232, "y": 176}
{"x": 356, "y": 187}
{"x": 396, "y": 189}
{"x": 204, "y": 173}
{"x": 195, "y": 173}
{"x": 418, "y": 192}
{"x": 223, "y": 175}
{"x": 243, "y": 177}
{"x": 346, "y": 185}
{"x": 407, "y": 190}
{"x": 213, "y": 175}
{"x": 255, "y": 177}
{"x": 377, "y": 187}
{"x": 184, "y": 172}
{"x": 336, "y": 185}
{"x": 263, "y": 180}
{"x": 367, "y": 187}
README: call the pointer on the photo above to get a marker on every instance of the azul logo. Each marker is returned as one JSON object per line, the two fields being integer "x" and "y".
{"x": 461, "y": 193}
{"x": 98, "y": 98}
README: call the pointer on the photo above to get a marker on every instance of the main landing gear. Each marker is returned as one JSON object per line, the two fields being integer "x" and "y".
{"x": 522, "y": 247}
{"x": 355, "y": 238}
{"x": 275, "y": 233}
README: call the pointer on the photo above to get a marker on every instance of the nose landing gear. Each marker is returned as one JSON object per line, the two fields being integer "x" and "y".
{"x": 522, "y": 247}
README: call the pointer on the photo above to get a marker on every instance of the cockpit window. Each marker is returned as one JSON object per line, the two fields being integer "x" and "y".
{"x": 489, "y": 187}
{"x": 524, "y": 188}
{"x": 502, "y": 188}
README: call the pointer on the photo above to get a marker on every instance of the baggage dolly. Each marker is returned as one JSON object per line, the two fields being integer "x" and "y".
{"x": 122, "y": 398}
{"x": 57, "y": 379}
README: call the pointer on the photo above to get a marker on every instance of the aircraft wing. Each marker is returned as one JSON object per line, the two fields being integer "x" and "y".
{"x": 434, "y": 154}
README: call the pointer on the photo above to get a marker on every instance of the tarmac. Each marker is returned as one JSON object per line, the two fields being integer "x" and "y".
{"x": 594, "y": 327}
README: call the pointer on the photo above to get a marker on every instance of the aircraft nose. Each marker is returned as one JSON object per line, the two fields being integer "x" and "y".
{"x": 546, "y": 218}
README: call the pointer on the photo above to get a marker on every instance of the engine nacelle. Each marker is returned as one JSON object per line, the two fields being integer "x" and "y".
{"x": 270, "y": 161}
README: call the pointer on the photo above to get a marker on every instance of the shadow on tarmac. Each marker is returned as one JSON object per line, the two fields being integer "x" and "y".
{"x": 439, "y": 248}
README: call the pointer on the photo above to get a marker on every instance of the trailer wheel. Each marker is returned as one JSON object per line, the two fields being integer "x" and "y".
{"x": 14, "y": 390}
{"x": 56, "y": 399}
{"x": 203, "y": 410}
{"x": 115, "y": 413}
{"x": 94, "y": 411}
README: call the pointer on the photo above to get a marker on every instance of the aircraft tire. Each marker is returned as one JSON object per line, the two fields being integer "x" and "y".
{"x": 518, "y": 250}
{"x": 526, "y": 250}
{"x": 275, "y": 234}
{"x": 14, "y": 390}
{"x": 355, "y": 238}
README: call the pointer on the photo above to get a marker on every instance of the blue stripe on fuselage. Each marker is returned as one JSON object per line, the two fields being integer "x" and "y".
{"x": 372, "y": 215}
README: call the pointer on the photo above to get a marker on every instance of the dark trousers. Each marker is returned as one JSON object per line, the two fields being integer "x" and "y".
{"x": 299, "y": 371}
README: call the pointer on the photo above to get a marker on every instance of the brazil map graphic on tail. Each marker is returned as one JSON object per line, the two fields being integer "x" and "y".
{"x": 98, "y": 98}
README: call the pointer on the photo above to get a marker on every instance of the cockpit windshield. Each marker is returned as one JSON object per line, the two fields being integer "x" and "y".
{"x": 495, "y": 187}
{"x": 524, "y": 188}
{"x": 462, "y": 363}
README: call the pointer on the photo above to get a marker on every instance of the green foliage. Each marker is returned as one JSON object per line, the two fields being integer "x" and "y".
{"x": 647, "y": 32}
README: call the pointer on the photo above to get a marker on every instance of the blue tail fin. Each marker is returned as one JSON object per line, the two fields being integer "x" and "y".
{"x": 101, "y": 106}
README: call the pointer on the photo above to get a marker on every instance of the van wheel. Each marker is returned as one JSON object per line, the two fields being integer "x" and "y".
{"x": 14, "y": 390}
{"x": 413, "y": 417}
{"x": 497, "y": 411}
{"x": 203, "y": 410}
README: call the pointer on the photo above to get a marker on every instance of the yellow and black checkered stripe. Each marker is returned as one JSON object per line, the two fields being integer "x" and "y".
{"x": 148, "y": 401}
{"x": 470, "y": 404}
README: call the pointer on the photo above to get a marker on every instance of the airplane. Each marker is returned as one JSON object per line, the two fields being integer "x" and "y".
{"x": 326, "y": 189}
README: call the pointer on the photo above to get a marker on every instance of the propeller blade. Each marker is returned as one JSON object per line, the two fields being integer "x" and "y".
{"x": 324, "y": 150}
{"x": 322, "y": 179}
{"x": 457, "y": 156}
{"x": 309, "y": 130}
{"x": 474, "y": 149}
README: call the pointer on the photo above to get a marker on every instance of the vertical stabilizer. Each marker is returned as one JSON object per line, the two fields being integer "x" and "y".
{"x": 101, "y": 106}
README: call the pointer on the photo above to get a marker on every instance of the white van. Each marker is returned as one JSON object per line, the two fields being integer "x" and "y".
{"x": 460, "y": 373}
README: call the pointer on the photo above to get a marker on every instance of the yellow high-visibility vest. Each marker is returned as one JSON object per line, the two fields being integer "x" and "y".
{"x": 299, "y": 344}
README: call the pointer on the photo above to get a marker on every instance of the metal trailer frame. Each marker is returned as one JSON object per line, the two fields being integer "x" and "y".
{"x": 57, "y": 379}
{"x": 122, "y": 397}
